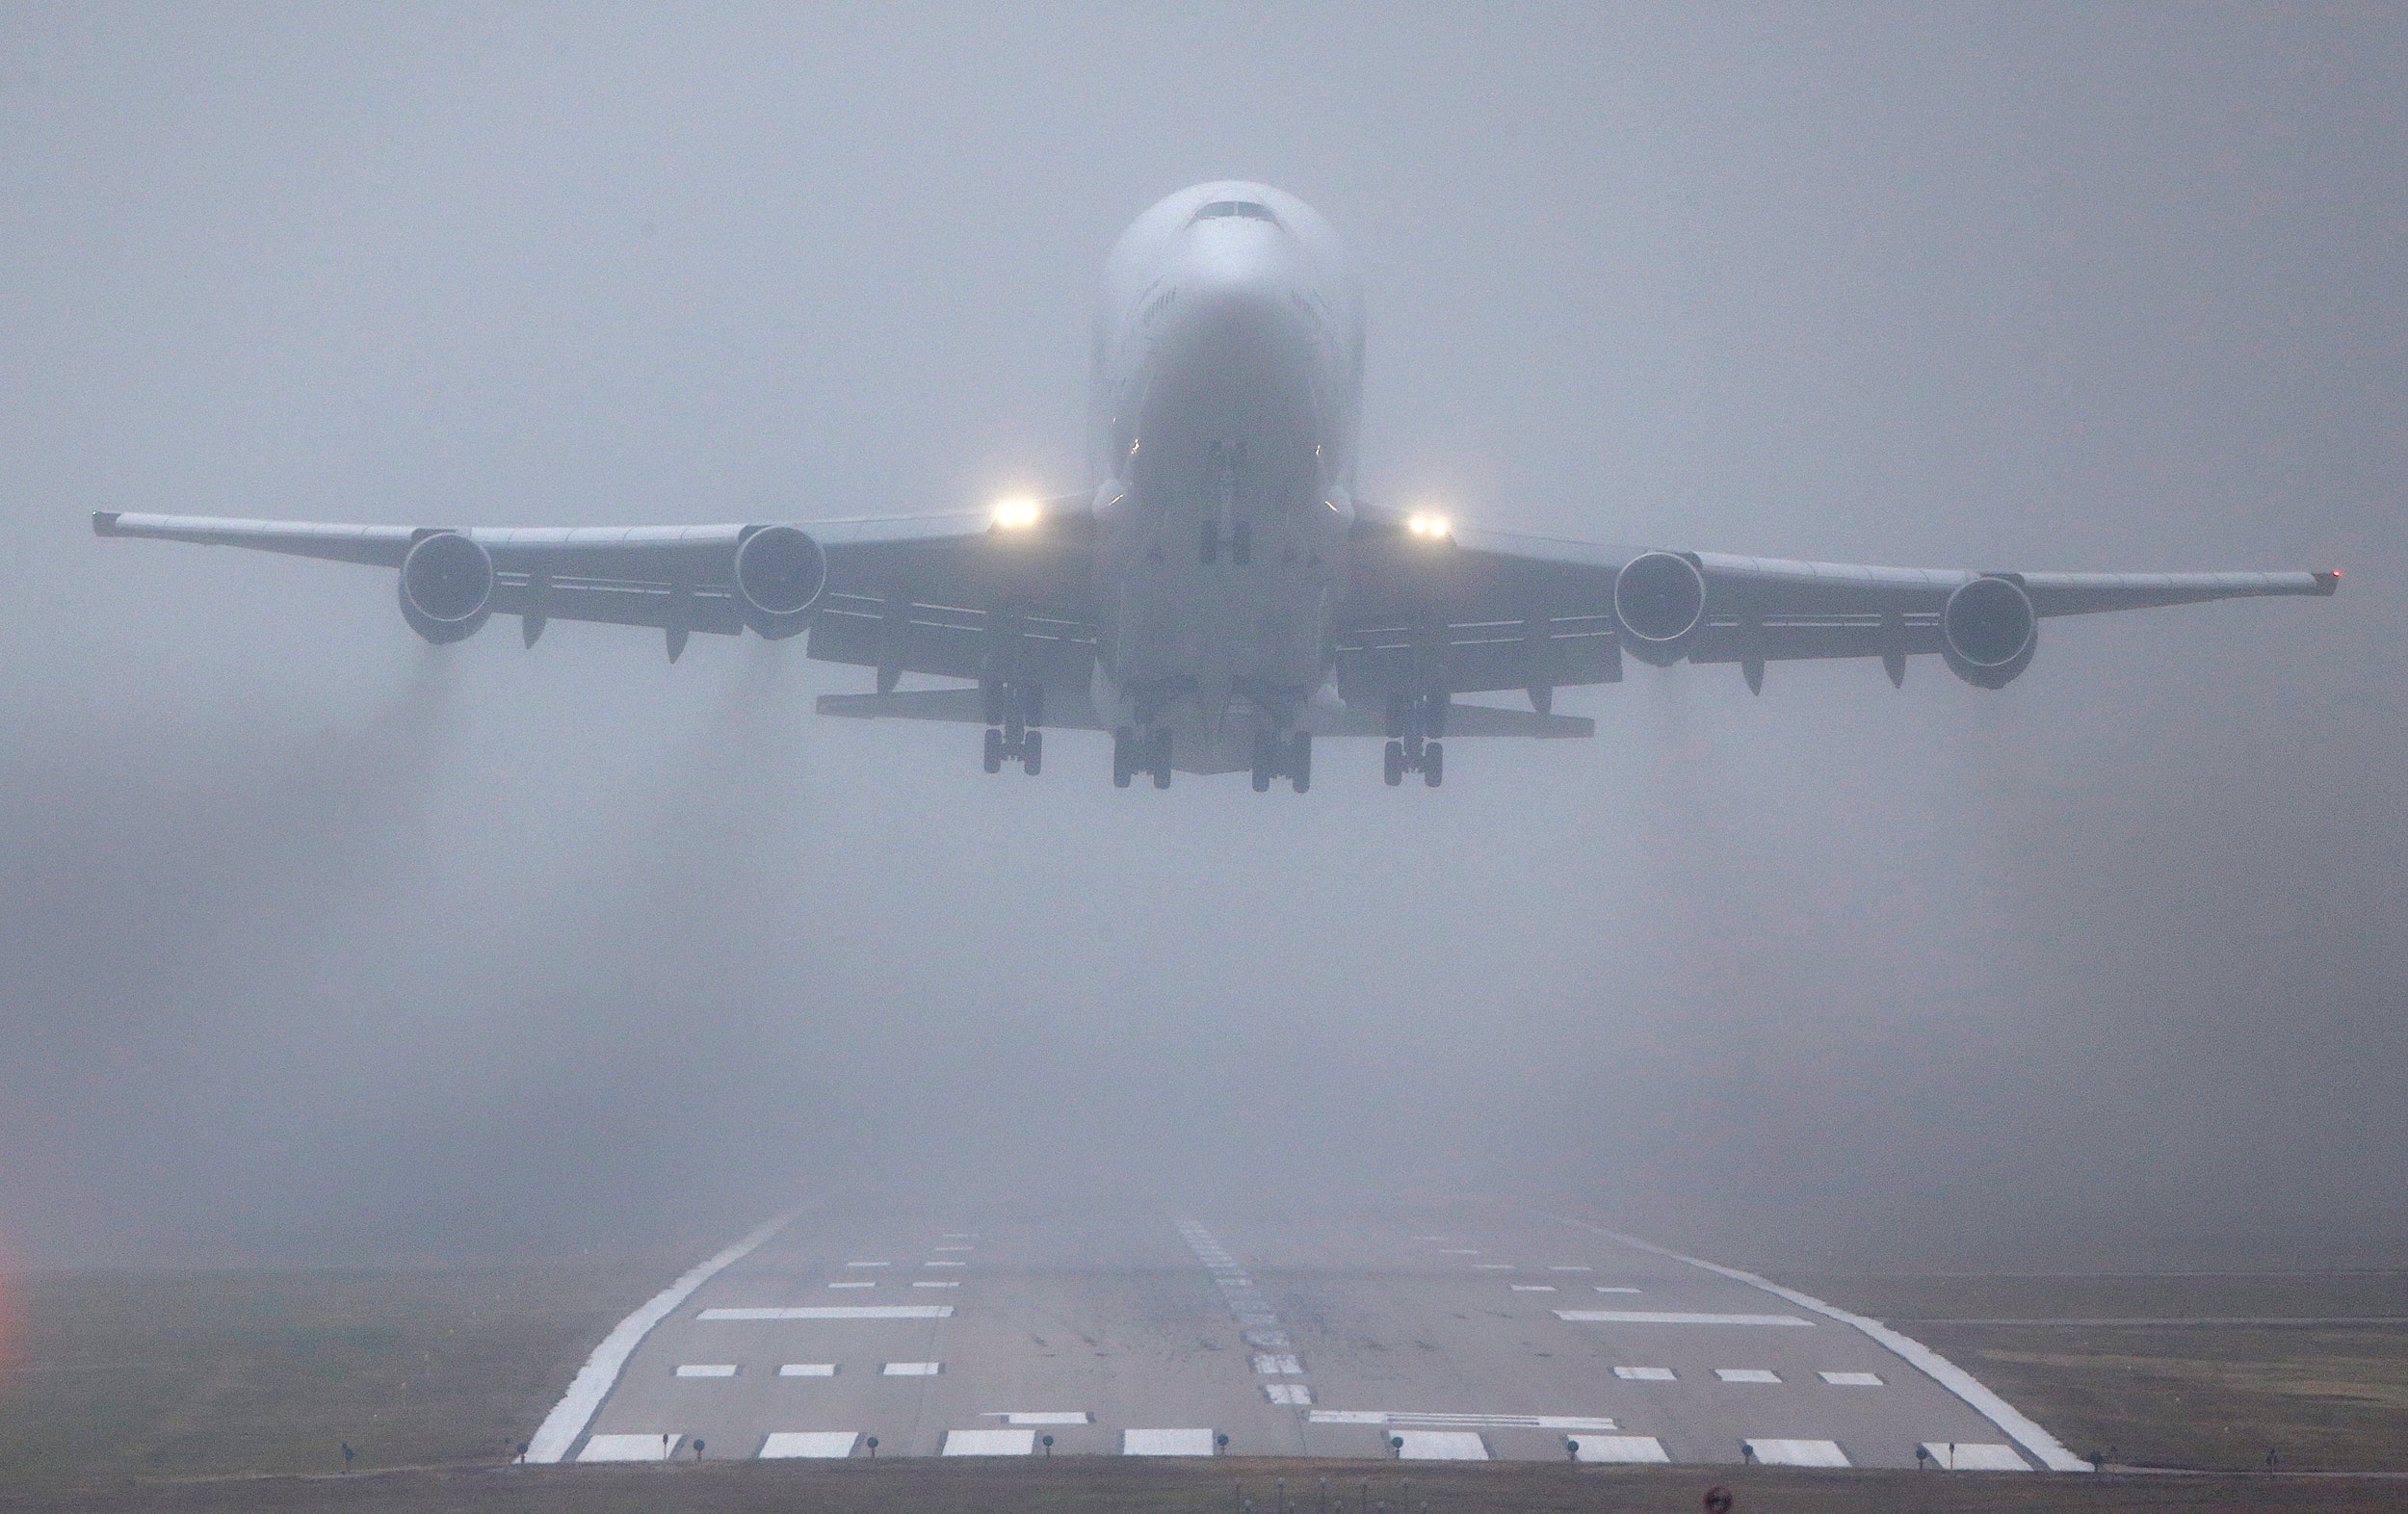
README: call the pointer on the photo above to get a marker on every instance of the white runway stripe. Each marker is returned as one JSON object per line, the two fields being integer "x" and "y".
{"x": 821, "y": 1444}
{"x": 1851, "y": 1379}
{"x": 912, "y": 1368}
{"x": 1748, "y": 1374}
{"x": 989, "y": 1443}
{"x": 1166, "y": 1443}
{"x": 1670, "y": 1317}
{"x": 1437, "y": 1421}
{"x": 1294, "y": 1393}
{"x": 807, "y": 1370}
{"x": 1620, "y": 1449}
{"x": 1799, "y": 1453}
{"x": 1644, "y": 1374}
{"x": 1274, "y": 1365}
{"x": 570, "y": 1416}
{"x": 706, "y": 1368}
{"x": 1974, "y": 1456}
{"x": 627, "y": 1447}
{"x": 835, "y": 1311}
{"x": 1040, "y": 1416}
{"x": 1442, "y": 1445}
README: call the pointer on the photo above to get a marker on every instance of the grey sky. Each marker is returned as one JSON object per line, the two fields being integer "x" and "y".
{"x": 317, "y": 942}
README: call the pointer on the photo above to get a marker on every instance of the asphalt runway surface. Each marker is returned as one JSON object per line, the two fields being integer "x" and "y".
{"x": 1496, "y": 1336}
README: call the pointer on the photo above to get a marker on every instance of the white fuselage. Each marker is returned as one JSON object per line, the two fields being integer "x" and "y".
{"x": 1226, "y": 399}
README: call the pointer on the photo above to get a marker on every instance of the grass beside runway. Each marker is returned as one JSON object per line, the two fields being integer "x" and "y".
{"x": 170, "y": 1375}
{"x": 1117, "y": 1485}
{"x": 2177, "y": 1395}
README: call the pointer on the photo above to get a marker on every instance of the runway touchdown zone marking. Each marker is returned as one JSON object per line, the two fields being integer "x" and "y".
{"x": 1442, "y": 1445}
{"x": 1166, "y": 1443}
{"x": 816, "y": 1445}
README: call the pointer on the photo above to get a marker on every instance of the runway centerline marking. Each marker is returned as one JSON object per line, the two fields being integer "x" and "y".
{"x": 1644, "y": 1374}
{"x": 833, "y": 1312}
{"x": 706, "y": 1368}
{"x": 1748, "y": 1374}
{"x": 1672, "y": 1317}
{"x": 807, "y": 1370}
{"x": 912, "y": 1368}
{"x": 1604, "y": 1289}
{"x": 853, "y": 1285}
{"x": 592, "y": 1383}
{"x": 868, "y": 1264}
{"x": 1853, "y": 1379}
{"x": 1532, "y": 1288}
{"x": 2020, "y": 1426}
{"x": 930, "y": 1283}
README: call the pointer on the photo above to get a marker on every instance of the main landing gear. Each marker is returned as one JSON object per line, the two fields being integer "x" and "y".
{"x": 1289, "y": 757}
{"x": 1134, "y": 753}
{"x": 1415, "y": 723}
{"x": 1014, "y": 712}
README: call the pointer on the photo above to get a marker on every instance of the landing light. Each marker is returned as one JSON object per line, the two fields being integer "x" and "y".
{"x": 1016, "y": 515}
{"x": 1434, "y": 527}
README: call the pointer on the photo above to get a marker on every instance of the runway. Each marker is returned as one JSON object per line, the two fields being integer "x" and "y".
{"x": 1468, "y": 1336}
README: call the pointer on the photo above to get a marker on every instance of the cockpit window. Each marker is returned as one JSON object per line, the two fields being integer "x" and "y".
{"x": 1236, "y": 207}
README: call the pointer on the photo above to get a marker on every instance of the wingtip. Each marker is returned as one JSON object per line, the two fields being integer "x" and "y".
{"x": 2329, "y": 582}
{"x": 104, "y": 522}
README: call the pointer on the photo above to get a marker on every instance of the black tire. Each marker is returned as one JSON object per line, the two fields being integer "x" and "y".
{"x": 1032, "y": 752}
{"x": 1433, "y": 764}
{"x": 1301, "y": 761}
{"x": 1123, "y": 741}
{"x": 994, "y": 750}
{"x": 1392, "y": 765}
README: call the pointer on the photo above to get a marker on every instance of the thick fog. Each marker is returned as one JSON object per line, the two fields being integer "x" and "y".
{"x": 317, "y": 942}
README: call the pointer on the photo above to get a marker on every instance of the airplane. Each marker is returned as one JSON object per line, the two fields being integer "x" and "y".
{"x": 1219, "y": 596}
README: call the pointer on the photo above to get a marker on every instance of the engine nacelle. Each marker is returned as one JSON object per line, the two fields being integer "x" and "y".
{"x": 447, "y": 587}
{"x": 780, "y": 572}
{"x": 1988, "y": 632}
{"x": 1658, "y": 604}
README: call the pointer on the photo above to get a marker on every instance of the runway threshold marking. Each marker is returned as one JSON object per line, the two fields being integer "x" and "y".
{"x": 816, "y": 1445}
{"x": 592, "y": 1383}
{"x": 1672, "y": 1317}
{"x": 1166, "y": 1443}
{"x": 1441, "y": 1445}
{"x": 1294, "y": 1394}
{"x": 1268, "y": 1364}
{"x": 1974, "y": 1456}
{"x": 1620, "y": 1449}
{"x": 2020, "y": 1427}
{"x": 832, "y": 1311}
{"x": 1798, "y": 1453}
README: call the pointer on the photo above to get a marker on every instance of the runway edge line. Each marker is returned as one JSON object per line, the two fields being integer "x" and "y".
{"x": 593, "y": 1381}
{"x": 2024, "y": 1431}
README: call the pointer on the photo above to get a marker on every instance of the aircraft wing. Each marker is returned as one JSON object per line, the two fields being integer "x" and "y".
{"x": 952, "y": 594}
{"x": 1440, "y": 609}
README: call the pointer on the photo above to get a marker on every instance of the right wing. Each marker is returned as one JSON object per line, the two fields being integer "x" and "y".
{"x": 899, "y": 595}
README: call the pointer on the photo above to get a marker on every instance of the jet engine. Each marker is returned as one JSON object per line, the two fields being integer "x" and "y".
{"x": 1659, "y": 603}
{"x": 1988, "y": 632}
{"x": 447, "y": 587}
{"x": 779, "y": 574}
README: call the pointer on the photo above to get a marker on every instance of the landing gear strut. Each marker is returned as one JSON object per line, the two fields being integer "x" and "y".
{"x": 1014, "y": 713}
{"x": 1289, "y": 757}
{"x": 1134, "y": 753}
{"x": 1415, "y": 723}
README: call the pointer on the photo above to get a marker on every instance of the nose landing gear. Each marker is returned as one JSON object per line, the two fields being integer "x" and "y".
{"x": 1014, "y": 712}
{"x": 1415, "y": 723}
{"x": 1289, "y": 757}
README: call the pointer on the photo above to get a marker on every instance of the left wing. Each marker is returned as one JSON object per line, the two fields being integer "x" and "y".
{"x": 917, "y": 595}
{"x": 1434, "y": 609}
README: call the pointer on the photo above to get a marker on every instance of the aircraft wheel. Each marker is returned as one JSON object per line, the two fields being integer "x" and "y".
{"x": 1392, "y": 767}
{"x": 1433, "y": 764}
{"x": 1032, "y": 752}
{"x": 994, "y": 750}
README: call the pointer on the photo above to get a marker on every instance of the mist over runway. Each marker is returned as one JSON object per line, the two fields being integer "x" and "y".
{"x": 317, "y": 945}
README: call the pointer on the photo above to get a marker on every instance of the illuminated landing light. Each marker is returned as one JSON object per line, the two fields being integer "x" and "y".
{"x": 1016, "y": 515}
{"x": 1435, "y": 528}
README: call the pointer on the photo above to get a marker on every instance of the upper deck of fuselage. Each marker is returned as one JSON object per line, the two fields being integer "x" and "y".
{"x": 1228, "y": 294}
